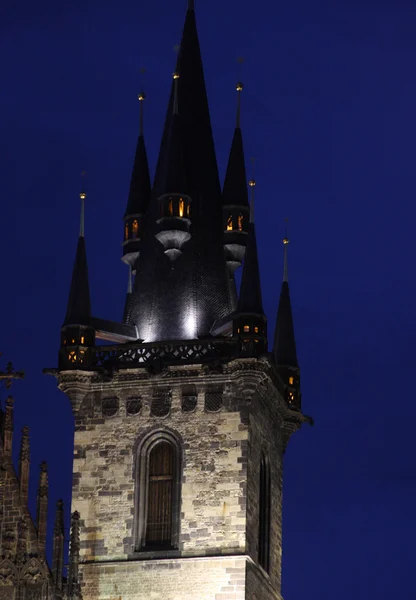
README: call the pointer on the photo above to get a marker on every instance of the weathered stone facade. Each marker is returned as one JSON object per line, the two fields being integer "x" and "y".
{"x": 217, "y": 550}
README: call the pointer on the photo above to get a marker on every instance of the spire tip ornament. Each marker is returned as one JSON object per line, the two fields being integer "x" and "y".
{"x": 285, "y": 245}
{"x": 82, "y": 196}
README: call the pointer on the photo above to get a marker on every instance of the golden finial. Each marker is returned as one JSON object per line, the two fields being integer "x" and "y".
{"x": 141, "y": 98}
{"x": 252, "y": 185}
{"x": 285, "y": 245}
{"x": 239, "y": 89}
{"x": 175, "y": 93}
{"x": 82, "y": 196}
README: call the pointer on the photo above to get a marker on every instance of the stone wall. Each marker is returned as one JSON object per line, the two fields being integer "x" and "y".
{"x": 217, "y": 551}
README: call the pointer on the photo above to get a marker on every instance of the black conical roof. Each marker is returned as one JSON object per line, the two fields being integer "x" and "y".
{"x": 250, "y": 300}
{"x": 79, "y": 306}
{"x": 172, "y": 177}
{"x": 198, "y": 145}
{"x": 140, "y": 187}
{"x": 284, "y": 347}
{"x": 235, "y": 182}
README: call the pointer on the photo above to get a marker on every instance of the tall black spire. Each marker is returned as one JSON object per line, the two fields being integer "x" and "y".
{"x": 79, "y": 306}
{"x": 140, "y": 187}
{"x": 284, "y": 346}
{"x": 77, "y": 331}
{"x": 235, "y": 183}
{"x": 182, "y": 297}
{"x": 250, "y": 321}
{"x": 139, "y": 197}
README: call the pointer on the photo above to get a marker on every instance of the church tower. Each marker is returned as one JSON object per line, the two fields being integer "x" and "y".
{"x": 181, "y": 423}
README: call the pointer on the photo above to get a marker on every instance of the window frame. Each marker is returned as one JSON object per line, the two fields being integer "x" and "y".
{"x": 143, "y": 452}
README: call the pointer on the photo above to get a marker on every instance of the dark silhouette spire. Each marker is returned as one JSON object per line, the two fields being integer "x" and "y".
{"x": 199, "y": 154}
{"x": 284, "y": 347}
{"x": 172, "y": 177}
{"x": 58, "y": 545}
{"x": 235, "y": 182}
{"x": 250, "y": 300}
{"x": 79, "y": 306}
{"x": 140, "y": 187}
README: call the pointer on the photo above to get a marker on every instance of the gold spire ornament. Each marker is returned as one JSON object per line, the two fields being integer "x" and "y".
{"x": 175, "y": 93}
{"x": 239, "y": 89}
{"x": 285, "y": 248}
{"x": 83, "y": 197}
{"x": 252, "y": 185}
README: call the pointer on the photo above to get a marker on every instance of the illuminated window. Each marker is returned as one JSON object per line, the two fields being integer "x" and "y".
{"x": 240, "y": 222}
{"x": 264, "y": 513}
{"x": 256, "y": 330}
{"x": 82, "y": 339}
{"x": 230, "y": 223}
{"x": 290, "y": 380}
{"x": 246, "y": 328}
{"x": 73, "y": 341}
{"x": 181, "y": 207}
{"x": 291, "y": 397}
{"x": 238, "y": 330}
{"x": 188, "y": 210}
{"x": 170, "y": 207}
{"x": 135, "y": 228}
{"x": 126, "y": 232}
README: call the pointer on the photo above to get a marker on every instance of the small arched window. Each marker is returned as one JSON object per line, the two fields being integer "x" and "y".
{"x": 135, "y": 228}
{"x": 240, "y": 222}
{"x": 181, "y": 207}
{"x": 188, "y": 210}
{"x": 230, "y": 223}
{"x": 264, "y": 513}
{"x": 170, "y": 207}
{"x": 158, "y": 493}
{"x": 126, "y": 231}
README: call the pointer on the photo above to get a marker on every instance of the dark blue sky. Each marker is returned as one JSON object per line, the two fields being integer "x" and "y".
{"x": 328, "y": 110}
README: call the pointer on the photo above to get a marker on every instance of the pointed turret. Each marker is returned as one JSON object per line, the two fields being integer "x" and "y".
{"x": 77, "y": 332}
{"x": 284, "y": 346}
{"x": 139, "y": 197}
{"x": 171, "y": 187}
{"x": 184, "y": 216}
{"x": 24, "y": 464}
{"x": 250, "y": 321}
{"x": 58, "y": 546}
{"x": 235, "y": 207}
{"x": 42, "y": 507}
{"x": 8, "y": 428}
{"x": 74, "y": 590}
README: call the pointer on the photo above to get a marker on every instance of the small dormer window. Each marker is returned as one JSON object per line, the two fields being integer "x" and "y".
{"x": 170, "y": 208}
{"x": 230, "y": 223}
{"x": 181, "y": 207}
{"x": 126, "y": 232}
{"x": 240, "y": 222}
{"x": 135, "y": 228}
{"x": 290, "y": 380}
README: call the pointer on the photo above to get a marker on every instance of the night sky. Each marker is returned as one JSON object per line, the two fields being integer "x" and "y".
{"x": 328, "y": 110}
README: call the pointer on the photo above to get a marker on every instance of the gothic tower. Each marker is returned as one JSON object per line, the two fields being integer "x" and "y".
{"x": 182, "y": 422}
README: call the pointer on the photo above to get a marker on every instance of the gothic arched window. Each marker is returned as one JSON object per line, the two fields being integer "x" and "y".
{"x": 135, "y": 228}
{"x": 240, "y": 222}
{"x": 181, "y": 207}
{"x": 264, "y": 513}
{"x": 126, "y": 232}
{"x": 230, "y": 223}
{"x": 158, "y": 492}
